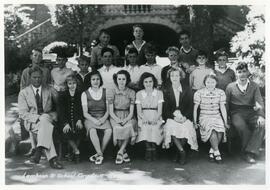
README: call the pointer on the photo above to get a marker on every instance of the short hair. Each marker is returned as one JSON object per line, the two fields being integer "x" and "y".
{"x": 37, "y": 49}
{"x": 241, "y": 65}
{"x": 106, "y": 49}
{"x": 91, "y": 74}
{"x": 103, "y": 31}
{"x": 150, "y": 48}
{"x": 221, "y": 52}
{"x": 36, "y": 68}
{"x": 133, "y": 50}
{"x": 83, "y": 58}
{"x": 71, "y": 77}
{"x": 212, "y": 76}
{"x": 201, "y": 53}
{"x": 181, "y": 72}
{"x": 122, "y": 72}
{"x": 137, "y": 26}
{"x": 186, "y": 32}
{"x": 147, "y": 75}
{"x": 172, "y": 48}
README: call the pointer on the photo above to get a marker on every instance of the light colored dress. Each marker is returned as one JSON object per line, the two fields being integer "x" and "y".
{"x": 181, "y": 131}
{"x": 210, "y": 117}
{"x": 122, "y": 102}
{"x": 96, "y": 103}
{"x": 147, "y": 131}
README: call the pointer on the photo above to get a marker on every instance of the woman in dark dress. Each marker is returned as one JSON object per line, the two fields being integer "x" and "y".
{"x": 71, "y": 115}
{"x": 177, "y": 112}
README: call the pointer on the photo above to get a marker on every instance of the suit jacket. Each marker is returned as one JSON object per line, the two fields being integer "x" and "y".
{"x": 185, "y": 102}
{"x": 28, "y": 107}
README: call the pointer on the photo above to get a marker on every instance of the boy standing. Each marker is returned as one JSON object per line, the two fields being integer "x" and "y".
{"x": 224, "y": 74}
{"x": 197, "y": 76}
{"x": 82, "y": 76}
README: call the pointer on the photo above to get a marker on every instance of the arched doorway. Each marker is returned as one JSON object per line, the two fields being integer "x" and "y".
{"x": 161, "y": 35}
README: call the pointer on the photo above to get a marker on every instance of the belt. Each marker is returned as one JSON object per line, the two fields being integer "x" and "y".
{"x": 149, "y": 109}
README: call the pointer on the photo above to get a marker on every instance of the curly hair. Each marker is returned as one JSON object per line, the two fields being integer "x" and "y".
{"x": 121, "y": 72}
{"x": 147, "y": 75}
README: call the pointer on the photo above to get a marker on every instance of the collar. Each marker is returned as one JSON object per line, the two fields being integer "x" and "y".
{"x": 35, "y": 89}
{"x": 97, "y": 93}
{"x": 100, "y": 47}
{"x": 222, "y": 71}
{"x": 129, "y": 67}
{"x": 138, "y": 48}
{"x": 154, "y": 93}
{"x": 241, "y": 87}
{"x": 151, "y": 65}
{"x": 104, "y": 68}
{"x": 188, "y": 51}
{"x": 83, "y": 75}
{"x": 178, "y": 89}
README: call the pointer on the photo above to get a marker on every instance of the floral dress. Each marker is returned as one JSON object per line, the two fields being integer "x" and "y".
{"x": 122, "y": 102}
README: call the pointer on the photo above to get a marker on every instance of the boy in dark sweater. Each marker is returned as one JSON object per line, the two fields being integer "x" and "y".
{"x": 245, "y": 105}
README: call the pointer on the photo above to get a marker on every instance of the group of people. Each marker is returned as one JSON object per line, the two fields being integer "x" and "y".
{"x": 141, "y": 102}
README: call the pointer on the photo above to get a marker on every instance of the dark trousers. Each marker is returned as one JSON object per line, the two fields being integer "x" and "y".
{"x": 245, "y": 123}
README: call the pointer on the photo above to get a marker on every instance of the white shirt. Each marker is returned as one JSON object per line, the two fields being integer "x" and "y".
{"x": 155, "y": 69}
{"x": 134, "y": 73}
{"x": 177, "y": 92}
{"x": 35, "y": 90}
{"x": 241, "y": 87}
{"x": 107, "y": 76}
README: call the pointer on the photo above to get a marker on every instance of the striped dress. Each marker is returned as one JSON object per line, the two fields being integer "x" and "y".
{"x": 210, "y": 117}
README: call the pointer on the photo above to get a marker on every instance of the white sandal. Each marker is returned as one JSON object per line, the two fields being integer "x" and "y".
{"x": 126, "y": 157}
{"x": 93, "y": 158}
{"x": 99, "y": 160}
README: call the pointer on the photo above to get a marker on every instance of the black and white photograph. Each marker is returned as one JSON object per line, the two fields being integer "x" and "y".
{"x": 134, "y": 94}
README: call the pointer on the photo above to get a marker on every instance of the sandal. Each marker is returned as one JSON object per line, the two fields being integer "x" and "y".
{"x": 211, "y": 157}
{"x": 93, "y": 157}
{"x": 218, "y": 159}
{"x": 119, "y": 159}
{"x": 99, "y": 160}
{"x": 126, "y": 157}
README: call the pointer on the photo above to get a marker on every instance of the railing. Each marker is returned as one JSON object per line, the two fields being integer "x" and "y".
{"x": 37, "y": 32}
{"x": 118, "y": 10}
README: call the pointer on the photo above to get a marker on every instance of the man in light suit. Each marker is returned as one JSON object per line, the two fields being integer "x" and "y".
{"x": 36, "y": 109}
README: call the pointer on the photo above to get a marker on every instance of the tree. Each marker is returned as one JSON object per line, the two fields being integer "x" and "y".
{"x": 77, "y": 22}
{"x": 16, "y": 19}
{"x": 249, "y": 44}
{"x": 201, "y": 20}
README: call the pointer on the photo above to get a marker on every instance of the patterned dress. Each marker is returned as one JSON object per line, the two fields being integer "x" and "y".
{"x": 210, "y": 116}
{"x": 122, "y": 102}
{"x": 150, "y": 132}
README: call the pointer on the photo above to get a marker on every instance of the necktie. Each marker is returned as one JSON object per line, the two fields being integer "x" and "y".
{"x": 39, "y": 102}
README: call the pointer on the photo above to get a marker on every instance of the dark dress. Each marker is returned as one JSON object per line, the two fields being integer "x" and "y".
{"x": 70, "y": 112}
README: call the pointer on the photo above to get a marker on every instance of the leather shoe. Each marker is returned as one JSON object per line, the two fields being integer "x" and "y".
{"x": 182, "y": 159}
{"x": 249, "y": 159}
{"x": 54, "y": 164}
{"x": 36, "y": 158}
{"x": 31, "y": 152}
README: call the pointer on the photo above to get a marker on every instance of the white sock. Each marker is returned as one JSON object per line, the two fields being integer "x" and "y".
{"x": 211, "y": 150}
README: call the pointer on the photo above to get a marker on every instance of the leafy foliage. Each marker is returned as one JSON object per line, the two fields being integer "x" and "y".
{"x": 77, "y": 22}
{"x": 249, "y": 44}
